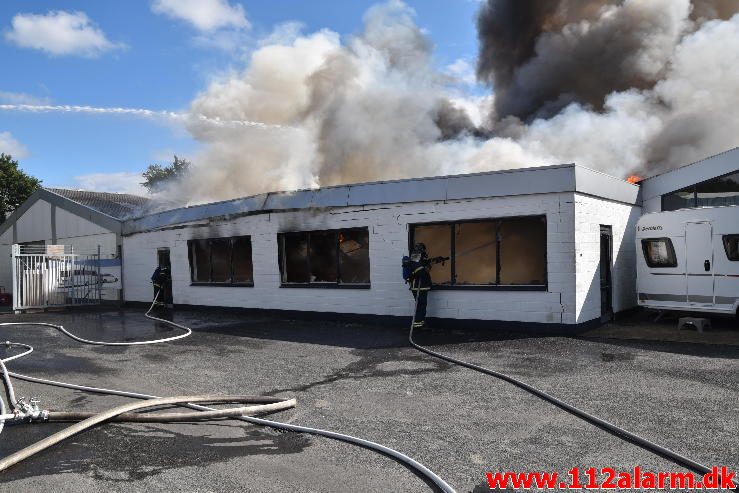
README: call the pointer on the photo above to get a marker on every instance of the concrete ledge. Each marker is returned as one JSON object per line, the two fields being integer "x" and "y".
{"x": 503, "y": 326}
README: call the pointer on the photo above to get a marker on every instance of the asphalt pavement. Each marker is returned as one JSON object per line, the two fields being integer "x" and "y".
{"x": 366, "y": 381}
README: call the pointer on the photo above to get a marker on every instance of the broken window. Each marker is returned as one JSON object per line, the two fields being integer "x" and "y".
{"x": 354, "y": 256}
{"x": 508, "y": 252}
{"x": 294, "y": 259}
{"x": 243, "y": 271}
{"x": 221, "y": 261}
{"x": 476, "y": 250}
{"x": 523, "y": 243}
{"x": 438, "y": 241}
{"x": 325, "y": 257}
{"x": 659, "y": 252}
{"x": 199, "y": 260}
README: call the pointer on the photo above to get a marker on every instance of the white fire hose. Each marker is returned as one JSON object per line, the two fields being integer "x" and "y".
{"x": 29, "y": 412}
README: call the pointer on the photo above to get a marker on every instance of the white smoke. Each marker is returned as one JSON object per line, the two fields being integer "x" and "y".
{"x": 375, "y": 107}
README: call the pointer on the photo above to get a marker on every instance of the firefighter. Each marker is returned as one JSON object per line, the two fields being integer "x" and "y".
{"x": 160, "y": 279}
{"x": 419, "y": 279}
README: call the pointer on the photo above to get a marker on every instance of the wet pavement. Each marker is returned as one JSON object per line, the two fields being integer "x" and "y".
{"x": 366, "y": 381}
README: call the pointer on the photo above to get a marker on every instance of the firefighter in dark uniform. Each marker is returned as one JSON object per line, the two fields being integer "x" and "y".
{"x": 160, "y": 279}
{"x": 420, "y": 282}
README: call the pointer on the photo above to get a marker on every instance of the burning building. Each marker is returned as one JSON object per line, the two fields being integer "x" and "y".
{"x": 524, "y": 246}
{"x": 549, "y": 246}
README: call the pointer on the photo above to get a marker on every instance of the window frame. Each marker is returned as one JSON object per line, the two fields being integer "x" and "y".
{"x": 725, "y": 240}
{"x": 694, "y": 189}
{"x": 670, "y": 252}
{"x": 230, "y": 283}
{"x": 485, "y": 287}
{"x": 321, "y": 285}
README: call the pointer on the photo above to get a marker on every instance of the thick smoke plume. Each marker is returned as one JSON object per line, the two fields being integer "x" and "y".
{"x": 619, "y": 86}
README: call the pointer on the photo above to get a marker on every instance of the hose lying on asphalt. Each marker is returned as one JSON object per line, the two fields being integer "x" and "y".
{"x": 423, "y": 471}
{"x": 135, "y": 406}
{"x": 600, "y": 423}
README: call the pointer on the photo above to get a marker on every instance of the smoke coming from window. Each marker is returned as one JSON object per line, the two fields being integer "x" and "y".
{"x": 619, "y": 86}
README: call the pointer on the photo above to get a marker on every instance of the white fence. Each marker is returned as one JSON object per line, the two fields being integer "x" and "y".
{"x": 47, "y": 276}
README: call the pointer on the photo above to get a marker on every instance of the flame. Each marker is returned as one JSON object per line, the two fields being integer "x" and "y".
{"x": 634, "y": 179}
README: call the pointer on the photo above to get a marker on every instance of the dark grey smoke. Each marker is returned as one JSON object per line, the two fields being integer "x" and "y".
{"x": 541, "y": 56}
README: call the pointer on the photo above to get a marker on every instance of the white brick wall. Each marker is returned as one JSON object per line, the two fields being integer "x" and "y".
{"x": 388, "y": 227}
{"x": 590, "y": 213}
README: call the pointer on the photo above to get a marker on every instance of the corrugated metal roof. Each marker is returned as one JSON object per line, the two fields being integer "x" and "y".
{"x": 523, "y": 181}
{"x": 118, "y": 205}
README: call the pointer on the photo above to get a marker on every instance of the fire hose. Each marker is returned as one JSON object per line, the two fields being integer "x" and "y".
{"x": 31, "y": 411}
{"x": 594, "y": 420}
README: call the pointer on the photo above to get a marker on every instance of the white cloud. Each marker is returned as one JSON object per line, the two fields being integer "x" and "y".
{"x": 204, "y": 15}
{"x": 8, "y": 145}
{"x": 461, "y": 71}
{"x": 21, "y": 98}
{"x": 119, "y": 182}
{"x": 60, "y": 33}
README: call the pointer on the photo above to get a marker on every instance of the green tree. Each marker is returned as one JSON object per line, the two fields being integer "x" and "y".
{"x": 157, "y": 176}
{"x": 15, "y": 185}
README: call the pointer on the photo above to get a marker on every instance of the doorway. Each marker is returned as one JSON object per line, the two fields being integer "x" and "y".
{"x": 606, "y": 281}
{"x": 164, "y": 261}
{"x": 699, "y": 268}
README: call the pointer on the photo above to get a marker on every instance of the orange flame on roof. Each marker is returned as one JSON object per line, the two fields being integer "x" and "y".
{"x": 634, "y": 179}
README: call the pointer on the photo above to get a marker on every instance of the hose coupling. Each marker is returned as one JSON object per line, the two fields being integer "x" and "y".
{"x": 31, "y": 411}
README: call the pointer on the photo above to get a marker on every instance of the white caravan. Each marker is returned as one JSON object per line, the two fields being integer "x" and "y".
{"x": 688, "y": 260}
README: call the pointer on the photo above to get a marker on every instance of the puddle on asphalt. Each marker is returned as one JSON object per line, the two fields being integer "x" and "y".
{"x": 611, "y": 357}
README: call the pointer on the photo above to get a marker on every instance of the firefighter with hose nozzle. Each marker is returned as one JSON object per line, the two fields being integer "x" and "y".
{"x": 417, "y": 273}
{"x": 160, "y": 279}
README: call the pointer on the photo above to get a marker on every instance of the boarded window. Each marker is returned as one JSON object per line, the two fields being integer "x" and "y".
{"x": 325, "y": 257}
{"x": 659, "y": 252}
{"x": 731, "y": 245}
{"x": 507, "y": 252}
{"x": 221, "y": 260}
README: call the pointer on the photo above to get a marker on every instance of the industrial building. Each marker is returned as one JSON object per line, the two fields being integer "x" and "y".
{"x": 545, "y": 246}
{"x": 85, "y": 222}
{"x": 526, "y": 246}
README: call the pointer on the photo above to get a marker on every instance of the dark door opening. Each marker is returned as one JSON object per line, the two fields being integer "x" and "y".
{"x": 163, "y": 261}
{"x": 606, "y": 284}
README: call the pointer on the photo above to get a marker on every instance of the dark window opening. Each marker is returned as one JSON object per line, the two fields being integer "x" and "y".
{"x": 325, "y": 258}
{"x": 507, "y": 253}
{"x": 720, "y": 191}
{"x": 731, "y": 246}
{"x": 659, "y": 252}
{"x": 221, "y": 261}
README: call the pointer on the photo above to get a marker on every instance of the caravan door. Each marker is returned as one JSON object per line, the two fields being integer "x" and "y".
{"x": 699, "y": 268}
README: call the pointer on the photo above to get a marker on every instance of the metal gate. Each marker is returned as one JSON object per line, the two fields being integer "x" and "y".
{"x": 47, "y": 276}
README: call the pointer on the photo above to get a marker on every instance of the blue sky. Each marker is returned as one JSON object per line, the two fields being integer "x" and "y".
{"x": 157, "y": 55}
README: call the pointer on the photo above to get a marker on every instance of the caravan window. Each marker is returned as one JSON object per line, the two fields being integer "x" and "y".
{"x": 659, "y": 252}
{"x": 731, "y": 245}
